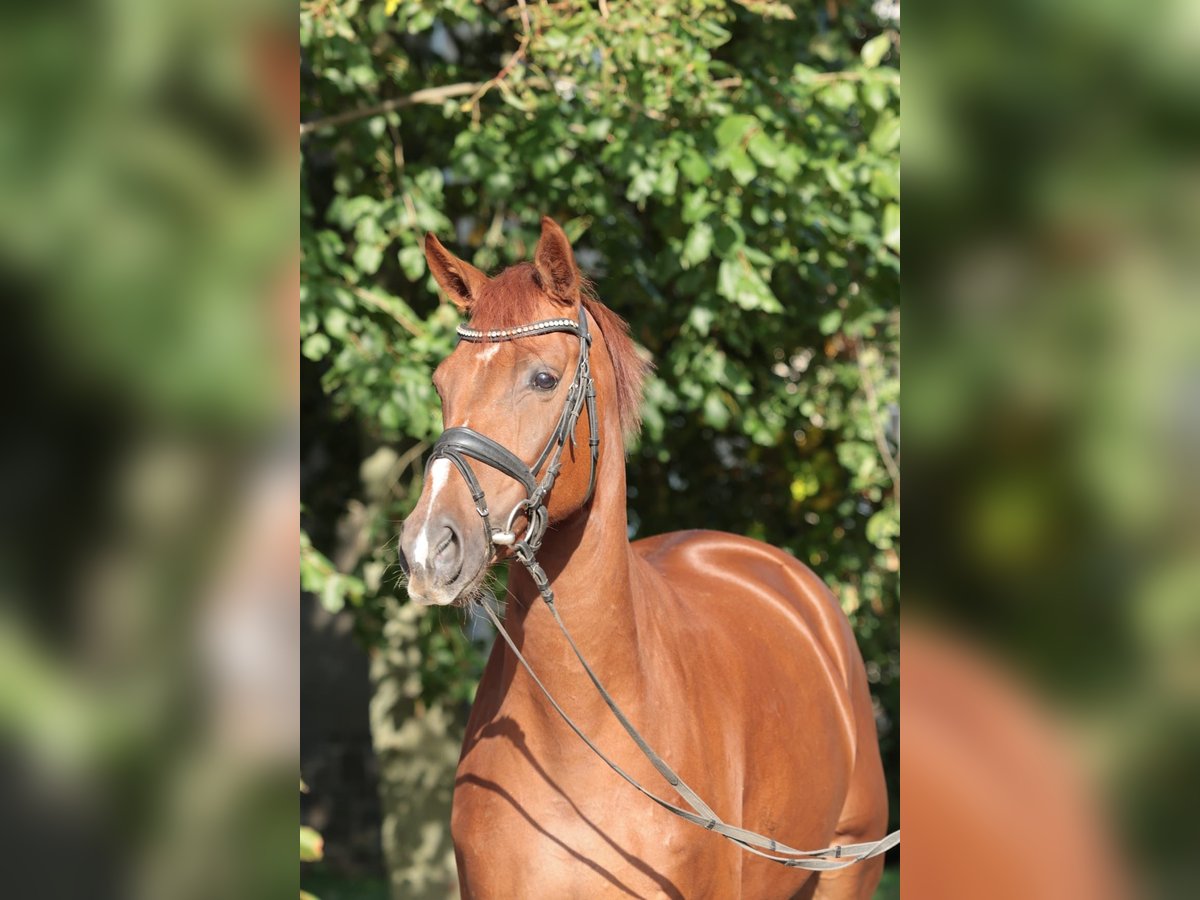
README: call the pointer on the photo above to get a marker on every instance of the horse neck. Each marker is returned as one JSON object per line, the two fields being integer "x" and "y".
{"x": 591, "y": 568}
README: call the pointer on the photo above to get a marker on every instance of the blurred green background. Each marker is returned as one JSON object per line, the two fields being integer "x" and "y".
{"x": 729, "y": 175}
{"x": 148, "y": 620}
{"x": 1052, "y": 385}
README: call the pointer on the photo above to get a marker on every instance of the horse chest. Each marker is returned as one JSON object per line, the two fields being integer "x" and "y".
{"x": 526, "y": 825}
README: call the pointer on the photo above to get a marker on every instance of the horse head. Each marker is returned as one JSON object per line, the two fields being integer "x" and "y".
{"x": 510, "y": 389}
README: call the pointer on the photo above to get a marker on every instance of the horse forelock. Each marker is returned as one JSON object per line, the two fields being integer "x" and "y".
{"x": 515, "y": 297}
{"x": 511, "y": 298}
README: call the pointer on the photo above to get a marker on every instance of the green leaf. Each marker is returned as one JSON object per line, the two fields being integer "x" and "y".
{"x": 883, "y": 528}
{"x": 742, "y": 167}
{"x": 312, "y": 845}
{"x": 720, "y": 34}
{"x": 716, "y": 413}
{"x": 598, "y": 129}
{"x": 555, "y": 39}
{"x": 885, "y": 184}
{"x": 791, "y": 159}
{"x": 694, "y": 167}
{"x": 697, "y": 245}
{"x": 730, "y": 238}
{"x": 668, "y": 179}
{"x": 764, "y": 149}
{"x": 695, "y": 207}
{"x": 839, "y": 178}
{"x": 315, "y": 347}
{"x": 642, "y": 185}
{"x": 891, "y": 226}
{"x": 886, "y": 135}
{"x": 729, "y": 277}
{"x": 876, "y": 49}
{"x": 740, "y": 283}
{"x": 830, "y": 321}
{"x": 839, "y": 95}
{"x": 805, "y": 485}
{"x": 337, "y": 324}
{"x": 732, "y": 130}
{"x": 412, "y": 262}
{"x": 701, "y": 318}
{"x": 876, "y": 94}
{"x": 347, "y": 212}
{"x": 367, "y": 258}
{"x": 333, "y": 596}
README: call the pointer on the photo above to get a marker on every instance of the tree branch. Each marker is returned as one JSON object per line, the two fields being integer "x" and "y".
{"x": 369, "y": 298}
{"x": 850, "y": 75}
{"x": 522, "y": 48}
{"x": 426, "y": 95}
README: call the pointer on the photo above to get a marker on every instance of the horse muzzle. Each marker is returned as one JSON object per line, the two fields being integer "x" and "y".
{"x": 442, "y": 560}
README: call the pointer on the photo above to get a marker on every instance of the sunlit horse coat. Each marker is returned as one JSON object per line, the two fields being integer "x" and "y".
{"x": 731, "y": 657}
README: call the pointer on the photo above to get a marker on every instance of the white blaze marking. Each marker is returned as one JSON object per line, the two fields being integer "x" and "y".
{"x": 439, "y": 472}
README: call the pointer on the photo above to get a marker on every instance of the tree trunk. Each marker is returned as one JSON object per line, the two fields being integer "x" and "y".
{"x": 417, "y": 747}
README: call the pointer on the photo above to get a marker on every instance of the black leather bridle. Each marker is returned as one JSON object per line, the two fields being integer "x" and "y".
{"x": 457, "y": 444}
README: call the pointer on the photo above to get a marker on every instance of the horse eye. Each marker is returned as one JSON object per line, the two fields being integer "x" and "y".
{"x": 544, "y": 381}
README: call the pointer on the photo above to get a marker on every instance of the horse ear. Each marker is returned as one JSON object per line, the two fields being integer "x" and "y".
{"x": 555, "y": 262}
{"x": 461, "y": 281}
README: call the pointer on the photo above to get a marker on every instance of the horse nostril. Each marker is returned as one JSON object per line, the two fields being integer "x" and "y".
{"x": 447, "y": 555}
{"x": 402, "y": 559}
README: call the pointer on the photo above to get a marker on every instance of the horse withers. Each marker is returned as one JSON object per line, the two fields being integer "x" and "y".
{"x": 731, "y": 658}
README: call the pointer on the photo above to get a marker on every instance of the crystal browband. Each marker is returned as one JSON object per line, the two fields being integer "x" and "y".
{"x": 507, "y": 334}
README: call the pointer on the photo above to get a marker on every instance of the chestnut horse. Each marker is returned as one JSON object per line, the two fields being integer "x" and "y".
{"x": 731, "y": 658}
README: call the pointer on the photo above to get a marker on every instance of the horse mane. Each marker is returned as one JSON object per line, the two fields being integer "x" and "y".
{"x": 512, "y": 298}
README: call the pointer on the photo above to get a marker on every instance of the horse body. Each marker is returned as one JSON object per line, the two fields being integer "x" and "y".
{"x": 746, "y": 675}
{"x": 769, "y": 737}
{"x": 732, "y": 659}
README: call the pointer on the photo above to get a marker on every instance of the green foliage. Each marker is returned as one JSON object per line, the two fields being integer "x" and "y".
{"x": 312, "y": 845}
{"x": 730, "y": 175}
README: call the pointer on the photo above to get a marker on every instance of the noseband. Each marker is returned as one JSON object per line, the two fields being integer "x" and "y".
{"x": 457, "y": 444}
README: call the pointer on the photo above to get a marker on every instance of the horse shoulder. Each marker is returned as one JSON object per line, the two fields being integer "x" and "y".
{"x": 712, "y": 573}
{"x": 767, "y": 624}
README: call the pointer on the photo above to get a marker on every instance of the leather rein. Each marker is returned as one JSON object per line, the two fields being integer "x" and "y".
{"x": 457, "y": 444}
